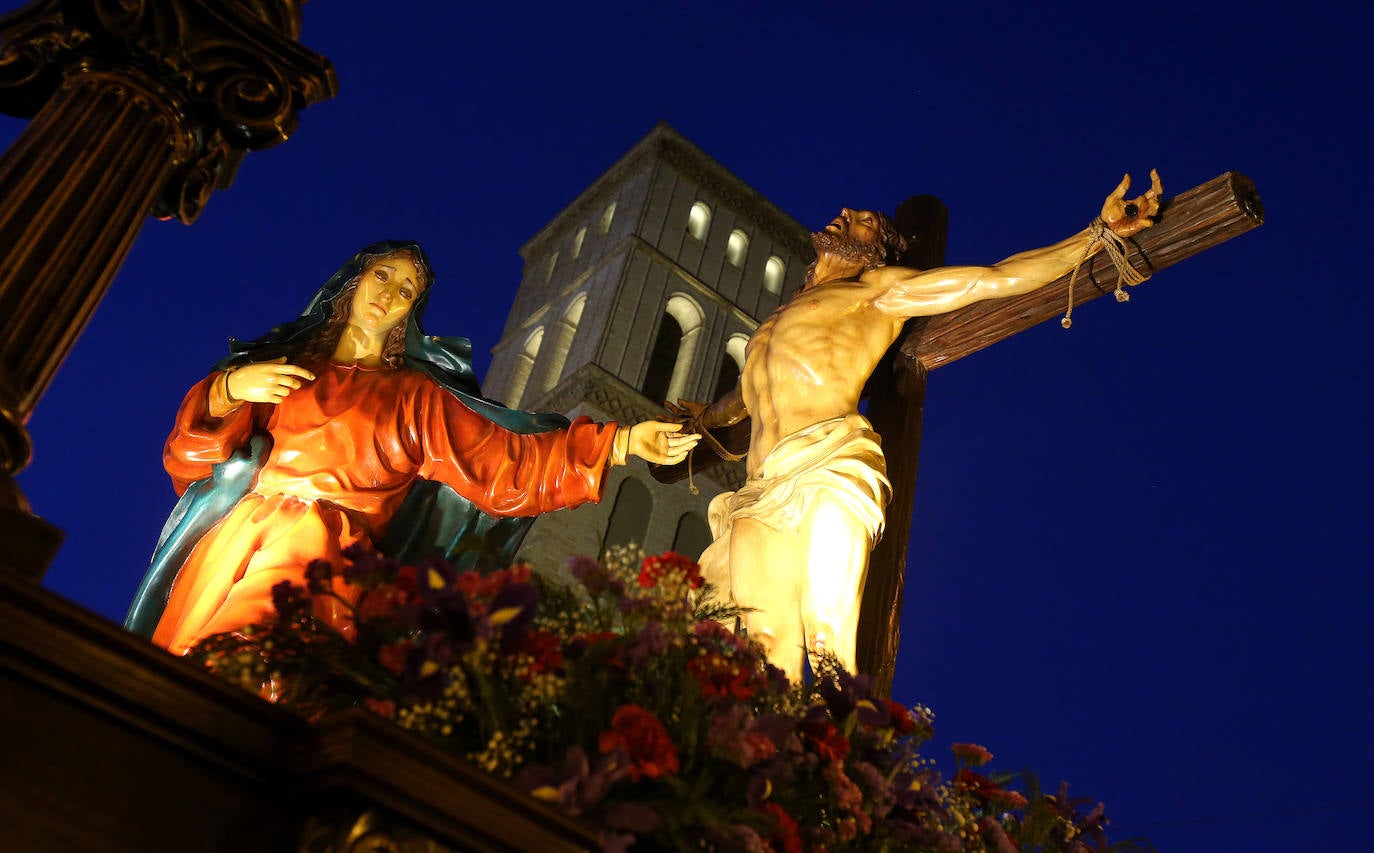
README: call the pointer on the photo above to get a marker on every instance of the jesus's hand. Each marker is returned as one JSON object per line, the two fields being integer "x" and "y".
{"x": 1131, "y": 217}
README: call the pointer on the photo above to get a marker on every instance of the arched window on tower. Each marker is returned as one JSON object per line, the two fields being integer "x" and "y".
{"x": 663, "y": 358}
{"x": 607, "y": 217}
{"x": 699, "y": 220}
{"x": 562, "y": 343}
{"x": 692, "y": 537}
{"x": 553, "y": 262}
{"x": 629, "y": 522}
{"x": 524, "y": 363}
{"x": 730, "y": 366}
{"x": 773, "y": 273}
{"x": 670, "y": 360}
{"x": 577, "y": 241}
{"x": 737, "y": 248}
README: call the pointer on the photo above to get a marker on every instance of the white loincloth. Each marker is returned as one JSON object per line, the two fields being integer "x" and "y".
{"x": 842, "y": 457}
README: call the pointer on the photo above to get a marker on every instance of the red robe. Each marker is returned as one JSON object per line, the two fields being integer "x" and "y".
{"x": 345, "y": 450}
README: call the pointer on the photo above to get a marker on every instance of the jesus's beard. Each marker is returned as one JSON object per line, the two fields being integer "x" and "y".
{"x": 846, "y": 248}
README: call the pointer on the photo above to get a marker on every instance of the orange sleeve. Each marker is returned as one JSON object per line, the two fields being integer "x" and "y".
{"x": 198, "y": 441}
{"x": 507, "y": 473}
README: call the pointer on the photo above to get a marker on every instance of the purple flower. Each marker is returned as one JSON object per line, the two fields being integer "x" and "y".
{"x": 725, "y": 737}
{"x": 877, "y": 786}
{"x": 724, "y": 639}
{"x": 760, "y": 788}
{"x": 426, "y": 669}
{"x": 870, "y": 714}
{"x": 510, "y": 613}
{"x": 993, "y": 829}
{"x": 777, "y": 680}
{"x": 649, "y": 642}
{"x": 289, "y": 599}
{"x": 925, "y": 837}
{"x": 775, "y": 726}
{"x": 843, "y": 692}
{"x": 364, "y": 563}
{"x": 914, "y": 791}
{"x": 580, "y": 786}
{"x": 747, "y": 839}
{"x": 819, "y": 836}
{"x": 633, "y": 817}
{"x": 318, "y": 574}
{"x": 614, "y": 842}
{"x": 591, "y": 574}
{"x": 436, "y": 579}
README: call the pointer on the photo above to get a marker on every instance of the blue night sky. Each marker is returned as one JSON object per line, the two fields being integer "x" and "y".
{"x": 1137, "y": 549}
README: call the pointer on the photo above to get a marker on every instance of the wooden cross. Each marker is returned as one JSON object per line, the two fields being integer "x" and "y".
{"x": 1203, "y": 217}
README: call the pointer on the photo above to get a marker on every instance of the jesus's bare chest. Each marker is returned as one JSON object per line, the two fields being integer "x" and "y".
{"x": 815, "y": 323}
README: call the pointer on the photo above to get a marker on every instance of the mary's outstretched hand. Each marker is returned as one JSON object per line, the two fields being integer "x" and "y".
{"x": 661, "y": 442}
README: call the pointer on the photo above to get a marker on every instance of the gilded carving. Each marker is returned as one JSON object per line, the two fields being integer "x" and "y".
{"x": 367, "y": 832}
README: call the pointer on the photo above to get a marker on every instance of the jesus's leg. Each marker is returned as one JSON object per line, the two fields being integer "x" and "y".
{"x": 763, "y": 568}
{"x": 836, "y": 549}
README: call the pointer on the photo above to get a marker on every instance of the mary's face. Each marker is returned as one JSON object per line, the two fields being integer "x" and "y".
{"x": 386, "y": 291}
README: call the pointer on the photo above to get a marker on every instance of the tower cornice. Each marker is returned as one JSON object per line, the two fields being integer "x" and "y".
{"x": 663, "y": 144}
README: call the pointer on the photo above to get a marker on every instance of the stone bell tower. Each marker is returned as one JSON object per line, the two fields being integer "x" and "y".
{"x": 644, "y": 289}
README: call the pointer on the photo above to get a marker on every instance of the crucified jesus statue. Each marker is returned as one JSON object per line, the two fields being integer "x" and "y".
{"x": 792, "y": 545}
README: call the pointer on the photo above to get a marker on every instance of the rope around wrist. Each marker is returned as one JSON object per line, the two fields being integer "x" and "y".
{"x": 1115, "y": 246}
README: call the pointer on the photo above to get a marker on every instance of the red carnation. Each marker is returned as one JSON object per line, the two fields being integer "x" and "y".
{"x": 785, "y": 831}
{"x": 393, "y": 657}
{"x": 643, "y": 738}
{"x": 985, "y": 789}
{"x": 545, "y": 648}
{"x": 407, "y": 578}
{"x": 971, "y": 754}
{"x": 474, "y": 584}
{"x": 379, "y": 602}
{"x": 655, "y": 569}
{"x": 900, "y": 718}
{"x": 829, "y": 743}
{"x": 758, "y": 747}
{"x": 469, "y": 583}
{"x": 381, "y": 707}
{"x": 720, "y": 676}
{"x": 1014, "y": 799}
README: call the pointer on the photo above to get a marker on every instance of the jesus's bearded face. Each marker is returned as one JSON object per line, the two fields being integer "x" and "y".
{"x": 858, "y": 236}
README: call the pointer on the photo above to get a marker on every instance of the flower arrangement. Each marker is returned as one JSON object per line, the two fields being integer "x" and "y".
{"x": 623, "y": 699}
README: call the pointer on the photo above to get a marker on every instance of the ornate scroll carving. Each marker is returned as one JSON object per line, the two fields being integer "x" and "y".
{"x": 231, "y": 72}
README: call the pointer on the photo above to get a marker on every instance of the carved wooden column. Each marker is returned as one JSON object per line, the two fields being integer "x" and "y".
{"x": 138, "y": 107}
